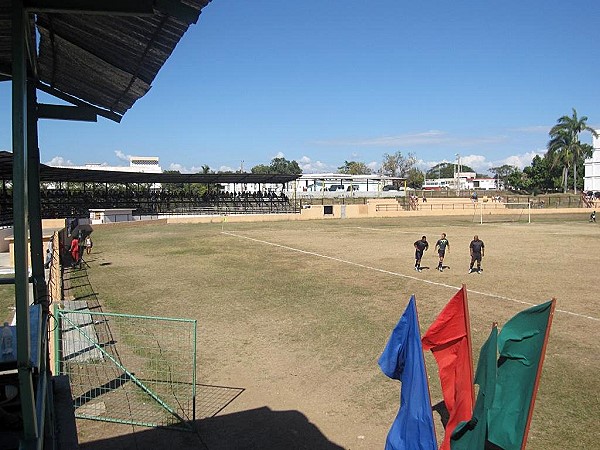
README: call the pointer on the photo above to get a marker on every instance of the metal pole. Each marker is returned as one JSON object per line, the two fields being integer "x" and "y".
{"x": 33, "y": 185}
{"x": 20, "y": 221}
{"x": 195, "y": 330}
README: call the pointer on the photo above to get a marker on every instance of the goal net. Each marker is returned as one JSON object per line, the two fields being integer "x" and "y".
{"x": 502, "y": 212}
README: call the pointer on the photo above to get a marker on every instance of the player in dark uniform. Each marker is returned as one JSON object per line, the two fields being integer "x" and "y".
{"x": 420, "y": 246}
{"x": 477, "y": 250}
{"x": 442, "y": 245}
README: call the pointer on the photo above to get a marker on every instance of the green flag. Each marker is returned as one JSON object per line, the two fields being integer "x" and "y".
{"x": 471, "y": 435}
{"x": 521, "y": 345}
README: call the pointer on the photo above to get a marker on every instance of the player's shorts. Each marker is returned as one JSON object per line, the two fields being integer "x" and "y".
{"x": 476, "y": 257}
{"x": 442, "y": 253}
{"x": 418, "y": 254}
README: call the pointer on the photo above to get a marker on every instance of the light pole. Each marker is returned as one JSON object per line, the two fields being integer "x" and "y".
{"x": 457, "y": 174}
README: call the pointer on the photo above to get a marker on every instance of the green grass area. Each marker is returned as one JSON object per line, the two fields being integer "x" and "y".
{"x": 7, "y": 303}
{"x": 297, "y": 313}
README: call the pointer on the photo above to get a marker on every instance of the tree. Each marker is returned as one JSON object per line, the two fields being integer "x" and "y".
{"x": 354, "y": 168}
{"x": 559, "y": 153}
{"x": 172, "y": 187}
{"x": 564, "y": 141}
{"x": 446, "y": 170}
{"x": 285, "y": 167}
{"x": 279, "y": 166}
{"x": 415, "y": 178}
{"x": 541, "y": 174}
{"x": 397, "y": 165}
{"x": 261, "y": 168}
{"x": 517, "y": 181}
{"x": 502, "y": 173}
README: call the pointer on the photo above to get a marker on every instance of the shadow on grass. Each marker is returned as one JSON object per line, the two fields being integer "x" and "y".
{"x": 441, "y": 409}
{"x": 255, "y": 429}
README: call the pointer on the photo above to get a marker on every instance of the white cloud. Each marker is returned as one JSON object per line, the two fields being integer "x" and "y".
{"x": 432, "y": 137}
{"x": 309, "y": 166}
{"x": 522, "y": 160}
{"x": 178, "y": 167}
{"x": 279, "y": 155}
{"x": 226, "y": 169}
{"x": 374, "y": 166}
{"x": 482, "y": 164}
{"x": 532, "y": 129}
{"x": 479, "y": 163}
{"x": 122, "y": 156}
{"x": 182, "y": 169}
{"x": 59, "y": 161}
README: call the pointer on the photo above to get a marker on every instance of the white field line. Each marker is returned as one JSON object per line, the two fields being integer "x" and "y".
{"x": 386, "y": 230}
{"x": 396, "y": 274}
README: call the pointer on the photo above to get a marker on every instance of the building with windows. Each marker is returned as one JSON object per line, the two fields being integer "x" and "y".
{"x": 591, "y": 182}
{"x": 330, "y": 183}
{"x": 463, "y": 181}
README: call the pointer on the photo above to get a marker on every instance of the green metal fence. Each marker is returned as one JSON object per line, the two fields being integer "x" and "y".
{"x": 126, "y": 368}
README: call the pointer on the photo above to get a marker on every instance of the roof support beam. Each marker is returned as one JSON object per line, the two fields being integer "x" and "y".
{"x": 77, "y": 102}
{"x": 20, "y": 223}
{"x": 112, "y": 7}
{"x": 63, "y": 112}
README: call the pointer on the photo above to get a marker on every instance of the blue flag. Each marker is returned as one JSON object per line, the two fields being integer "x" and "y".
{"x": 403, "y": 360}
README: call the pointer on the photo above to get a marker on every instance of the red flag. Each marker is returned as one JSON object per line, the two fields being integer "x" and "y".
{"x": 449, "y": 339}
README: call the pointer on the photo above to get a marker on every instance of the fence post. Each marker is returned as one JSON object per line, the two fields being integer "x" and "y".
{"x": 57, "y": 343}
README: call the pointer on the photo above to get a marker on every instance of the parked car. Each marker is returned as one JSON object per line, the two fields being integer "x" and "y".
{"x": 336, "y": 187}
{"x": 353, "y": 187}
{"x": 391, "y": 187}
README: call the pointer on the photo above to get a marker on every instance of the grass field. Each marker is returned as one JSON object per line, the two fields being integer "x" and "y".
{"x": 297, "y": 313}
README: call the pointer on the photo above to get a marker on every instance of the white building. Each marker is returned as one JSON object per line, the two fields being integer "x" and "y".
{"x": 144, "y": 164}
{"x": 464, "y": 181}
{"x": 331, "y": 182}
{"x": 591, "y": 181}
{"x": 328, "y": 185}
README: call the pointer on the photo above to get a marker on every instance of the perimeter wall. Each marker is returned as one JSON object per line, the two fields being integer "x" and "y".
{"x": 380, "y": 208}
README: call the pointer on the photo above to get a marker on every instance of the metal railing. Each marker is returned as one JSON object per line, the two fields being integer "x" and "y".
{"x": 125, "y": 368}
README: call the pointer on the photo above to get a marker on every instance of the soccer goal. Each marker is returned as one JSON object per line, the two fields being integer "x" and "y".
{"x": 502, "y": 213}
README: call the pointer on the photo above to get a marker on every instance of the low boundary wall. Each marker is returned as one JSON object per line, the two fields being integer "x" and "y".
{"x": 378, "y": 209}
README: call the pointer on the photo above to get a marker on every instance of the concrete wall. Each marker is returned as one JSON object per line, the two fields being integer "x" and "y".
{"x": 4, "y": 233}
{"x": 382, "y": 208}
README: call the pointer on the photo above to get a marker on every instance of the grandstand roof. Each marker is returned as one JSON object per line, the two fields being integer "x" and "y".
{"x": 56, "y": 174}
{"x": 100, "y": 54}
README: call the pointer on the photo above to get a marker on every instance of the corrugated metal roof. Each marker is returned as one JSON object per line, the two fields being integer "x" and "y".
{"x": 108, "y": 61}
{"x": 56, "y": 174}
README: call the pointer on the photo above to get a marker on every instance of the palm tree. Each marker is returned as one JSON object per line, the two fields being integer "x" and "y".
{"x": 566, "y": 136}
{"x": 559, "y": 152}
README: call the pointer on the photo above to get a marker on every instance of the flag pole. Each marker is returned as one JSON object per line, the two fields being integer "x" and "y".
{"x": 469, "y": 342}
{"x": 538, "y": 374}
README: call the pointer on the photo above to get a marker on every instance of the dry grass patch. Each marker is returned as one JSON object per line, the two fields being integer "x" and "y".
{"x": 297, "y": 313}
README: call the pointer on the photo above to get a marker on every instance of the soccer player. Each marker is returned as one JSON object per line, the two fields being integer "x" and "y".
{"x": 477, "y": 250}
{"x": 441, "y": 245}
{"x": 420, "y": 246}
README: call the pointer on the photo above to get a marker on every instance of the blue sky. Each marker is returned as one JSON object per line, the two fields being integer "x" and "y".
{"x": 321, "y": 82}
